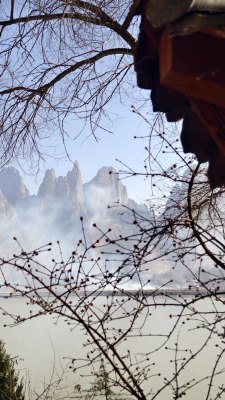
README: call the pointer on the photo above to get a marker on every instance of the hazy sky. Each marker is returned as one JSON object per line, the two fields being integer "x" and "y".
{"x": 92, "y": 154}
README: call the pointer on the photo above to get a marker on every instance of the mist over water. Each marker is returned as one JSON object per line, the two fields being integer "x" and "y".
{"x": 54, "y": 215}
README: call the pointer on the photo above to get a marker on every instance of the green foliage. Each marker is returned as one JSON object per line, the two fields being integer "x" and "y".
{"x": 101, "y": 386}
{"x": 11, "y": 387}
{"x": 101, "y": 389}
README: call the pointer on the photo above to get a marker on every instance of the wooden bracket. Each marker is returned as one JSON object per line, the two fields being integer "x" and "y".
{"x": 194, "y": 65}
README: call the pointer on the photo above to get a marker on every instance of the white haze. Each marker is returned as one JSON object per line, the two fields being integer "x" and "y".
{"x": 54, "y": 215}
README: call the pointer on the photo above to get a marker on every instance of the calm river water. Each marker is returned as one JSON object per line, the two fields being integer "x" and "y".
{"x": 43, "y": 345}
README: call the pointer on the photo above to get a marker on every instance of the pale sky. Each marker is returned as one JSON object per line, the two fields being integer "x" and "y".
{"x": 110, "y": 147}
{"x": 92, "y": 155}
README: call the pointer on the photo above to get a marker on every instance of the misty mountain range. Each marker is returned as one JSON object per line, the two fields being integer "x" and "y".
{"x": 62, "y": 188}
{"x": 54, "y": 213}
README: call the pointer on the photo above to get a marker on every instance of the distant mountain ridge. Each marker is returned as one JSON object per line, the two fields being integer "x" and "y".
{"x": 54, "y": 214}
{"x": 70, "y": 186}
{"x": 62, "y": 200}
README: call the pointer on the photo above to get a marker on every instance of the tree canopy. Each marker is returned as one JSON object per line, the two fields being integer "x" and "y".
{"x": 11, "y": 387}
{"x": 60, "y": 59}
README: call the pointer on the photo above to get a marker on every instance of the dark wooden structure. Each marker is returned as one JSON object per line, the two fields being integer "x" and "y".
{"x": 180, "y": 57}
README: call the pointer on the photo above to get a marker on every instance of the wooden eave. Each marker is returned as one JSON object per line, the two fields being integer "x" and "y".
{"x": 185, "y": 15}
{"x": 185, "y": 40}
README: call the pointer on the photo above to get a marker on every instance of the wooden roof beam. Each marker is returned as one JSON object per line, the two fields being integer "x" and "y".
{"x": 162, "y": 12}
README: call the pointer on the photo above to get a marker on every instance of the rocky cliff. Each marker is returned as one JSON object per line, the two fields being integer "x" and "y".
{"x": 12, "y": 185}
{"x": 61, "y": 201}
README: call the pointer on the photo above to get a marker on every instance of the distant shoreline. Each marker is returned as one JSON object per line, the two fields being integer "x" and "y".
{"x": 135, "y": 293}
